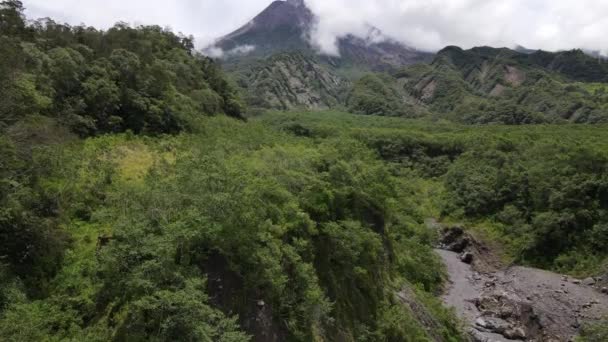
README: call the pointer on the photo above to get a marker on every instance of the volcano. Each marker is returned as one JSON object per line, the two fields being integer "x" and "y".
{"x": 286, "y": 26}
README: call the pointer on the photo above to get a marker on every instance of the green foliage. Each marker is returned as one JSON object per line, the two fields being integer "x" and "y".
{"x": 304, "y": 226}
{"x": 288, "y": 80}
{"x": 378, "y": 94}
{"x": 553, "y": 195}
{"x": 594, "y": 332}
{"x": 181, "y": 237}
{"x": 501, "y": 86}
{"x": 143, "y": 79}
{"x": 170, "y": 315}
{"x": 575, "y": 64}
{"x": 540, "y": 189}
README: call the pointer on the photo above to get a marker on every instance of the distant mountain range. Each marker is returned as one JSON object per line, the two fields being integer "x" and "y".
{"x": 277, "y": 66}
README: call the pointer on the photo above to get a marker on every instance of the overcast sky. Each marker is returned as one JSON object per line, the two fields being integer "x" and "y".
{"x": 425, "y": 24}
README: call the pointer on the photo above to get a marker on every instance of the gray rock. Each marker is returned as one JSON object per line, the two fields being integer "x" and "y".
{"x": 605, "y": 290}
{"x": 507, "y": 311}
{"x": 478, "y": 336}
{"x": 496, "y": 325}
{"x": 515, "y": 334}
{"x": 480, "y": 322}
{"x": 467, "y": 257}
{"x": 589, "y": 281}
{"x": 576, "y": 281}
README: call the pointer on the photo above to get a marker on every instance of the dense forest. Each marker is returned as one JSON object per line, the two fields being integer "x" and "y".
{"x": 143, "y": 79}
{"x": 491, "y": 86}
{"x": 138, "y": 202}
{"x": 110, "y": 229}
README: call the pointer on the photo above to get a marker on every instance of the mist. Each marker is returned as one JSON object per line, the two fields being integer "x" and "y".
{"x": 433, "y": 24}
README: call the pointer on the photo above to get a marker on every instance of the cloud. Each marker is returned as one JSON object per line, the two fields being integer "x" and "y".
{"x": 217, "y": 52}
{"x": 206, "y": 20}
{"x": 425, "y": 24}
{"x": 434, "y": 24}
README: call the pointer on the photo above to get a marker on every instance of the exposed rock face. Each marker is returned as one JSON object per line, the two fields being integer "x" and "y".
{"x": 294, "y": 80}
{"x": 498, "y": 90}
{"x": 226, "y": 286}
{"x": 514, "y": 76}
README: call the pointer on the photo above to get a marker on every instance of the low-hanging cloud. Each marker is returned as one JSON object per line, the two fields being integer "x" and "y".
{"x": 424, "y": 24}
{"x": 433, "y": 24}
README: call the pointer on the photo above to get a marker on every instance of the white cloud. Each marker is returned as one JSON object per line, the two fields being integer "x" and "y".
{"x": 206, "y": 20}
{"x": 433, "y": 24}
{"x": 217, "y": 52}
{"x": 425, "y": 24}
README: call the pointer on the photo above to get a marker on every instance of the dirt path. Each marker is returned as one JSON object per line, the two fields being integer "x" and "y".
{"x": 514, "y": 303}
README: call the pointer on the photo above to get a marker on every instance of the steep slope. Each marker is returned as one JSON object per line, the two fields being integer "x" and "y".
{"x": 278, "y": 67}
{"x": 286, "y": 26}
{"x": 291, "y": 80}
{"x": 484, "y": 85}
{"x": 282, "y": 26}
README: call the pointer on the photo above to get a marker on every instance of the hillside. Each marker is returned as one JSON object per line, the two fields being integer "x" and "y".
{"x": 272, "y": 60}
{"x": 273, "y": 54}
{"x": 142, "y": 200}
{"x": 489, "y": 85}
{"x": 143, "y": 79}
{"x": 290, "y": 80}
{"x": 138, "y": 205}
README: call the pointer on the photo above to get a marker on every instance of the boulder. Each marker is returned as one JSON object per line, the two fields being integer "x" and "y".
{"x": 495, "y": 325}
{"x": 466, "y": 257}
{"x": 515, "y": 334}
{"x": 589, "y": 282}
{"x": 480, "y": 322}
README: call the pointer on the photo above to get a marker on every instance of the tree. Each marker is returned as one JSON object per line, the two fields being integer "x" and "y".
{"x": 12, "y": 20}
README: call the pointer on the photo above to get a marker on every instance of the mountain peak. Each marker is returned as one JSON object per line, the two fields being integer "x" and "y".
{"x": 282, "y": 26}
{"x": 296, "y": 3}
{"x": 286, "y": 26}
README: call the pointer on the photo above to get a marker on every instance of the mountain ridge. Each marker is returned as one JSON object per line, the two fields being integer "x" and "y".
{"x": 274, "y": 61}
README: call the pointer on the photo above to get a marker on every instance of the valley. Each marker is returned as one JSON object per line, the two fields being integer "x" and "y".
{"x": 262, "y": 190}
{"x": 513, "y": 303}
{"x": 483, "y": 85}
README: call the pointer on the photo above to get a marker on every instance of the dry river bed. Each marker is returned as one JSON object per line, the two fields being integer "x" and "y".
{"x": 515, "y": 303}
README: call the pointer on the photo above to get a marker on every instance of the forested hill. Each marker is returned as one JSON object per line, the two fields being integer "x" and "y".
{"x": 273, "y": 61}
{"x": 143, "y": 79}
{"x": 134, "y": 206}
{"x": 492, "y": 85}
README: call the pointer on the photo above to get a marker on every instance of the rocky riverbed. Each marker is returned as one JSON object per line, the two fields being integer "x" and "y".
{"x": 502, "y": 303}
